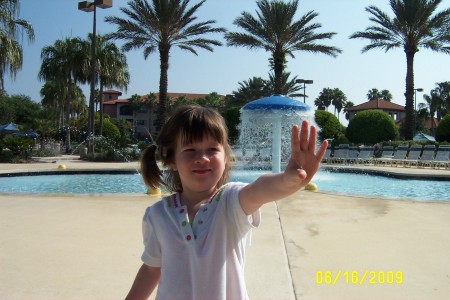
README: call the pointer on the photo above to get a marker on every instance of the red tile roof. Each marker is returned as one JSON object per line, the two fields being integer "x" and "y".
{"x": 171, "y": 95}
{"x": 377, "y": 104}
{"x": 112, "y": 92}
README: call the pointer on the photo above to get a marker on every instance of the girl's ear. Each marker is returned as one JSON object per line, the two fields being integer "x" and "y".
{"x": 174, "y": 167}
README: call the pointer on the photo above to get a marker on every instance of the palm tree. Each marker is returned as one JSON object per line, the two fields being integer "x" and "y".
{"x": 289, "y": 87}
{"x": 53, "y": 95}
{"x": 347, "y": 106}
{"x": 65, "y": 61}
{"x": 275, "y": 31}
{"x": 413, "y": 26}
{"x": 324, "y": 100}
{"x": 442, "y": 93}
{"x": 158, "y": 27}
{"x": 339, "y": 100}
{"x": 386, "y": 95}
{"x": 373, "y": 94}
{"x": 11, "y": 29}
{"x": 112, "y": 69}
{"x": 249, "y": 90}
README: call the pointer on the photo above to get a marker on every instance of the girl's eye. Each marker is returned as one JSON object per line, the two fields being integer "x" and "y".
{"x": 188, "y": 150}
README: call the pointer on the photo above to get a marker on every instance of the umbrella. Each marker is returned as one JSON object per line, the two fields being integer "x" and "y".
{"x": 8, "y": 128}
{"x": 30, "y": 133}
{"x": 424, "y": 137}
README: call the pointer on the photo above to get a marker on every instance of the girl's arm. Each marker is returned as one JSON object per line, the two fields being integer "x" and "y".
{"x": 302, "y": 166}
{"x": 146, "y": 280}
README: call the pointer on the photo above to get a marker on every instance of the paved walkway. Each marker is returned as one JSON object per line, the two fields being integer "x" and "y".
{"x": 88, "y": 246}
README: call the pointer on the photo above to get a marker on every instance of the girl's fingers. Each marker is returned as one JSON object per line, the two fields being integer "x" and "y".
{"x": 312, "y": 139}
{"x": 304, "y": 136}
{"x": 321, "y": 151}
{"x": 295, "y": 140}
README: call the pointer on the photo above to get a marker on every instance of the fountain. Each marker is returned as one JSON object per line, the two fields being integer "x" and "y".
{"x": 265, "y": 130}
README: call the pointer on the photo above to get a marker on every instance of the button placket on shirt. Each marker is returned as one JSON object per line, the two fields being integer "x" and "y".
{"x": 183, "y": 220}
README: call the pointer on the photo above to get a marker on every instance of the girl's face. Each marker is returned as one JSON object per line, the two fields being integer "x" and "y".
{"x": 200, "y": 165}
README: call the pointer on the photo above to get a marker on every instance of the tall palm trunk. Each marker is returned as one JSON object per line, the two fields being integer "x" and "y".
{"x": 163, "y": 84}
{"x": 68, "y": 117}
{"x": 101, "y": 109}
{"x": 278, "y": 66}
{"x": 409, "y": 95}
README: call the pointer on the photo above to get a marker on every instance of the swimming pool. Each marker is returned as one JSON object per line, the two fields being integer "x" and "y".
{"x": 343, "y": 183}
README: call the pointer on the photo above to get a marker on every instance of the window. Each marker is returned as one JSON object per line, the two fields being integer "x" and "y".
{"x": 141, "y": 122}
{"x": 125, "y": 110}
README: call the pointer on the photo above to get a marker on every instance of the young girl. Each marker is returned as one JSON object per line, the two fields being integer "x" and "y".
{"x": 196, "y": 239}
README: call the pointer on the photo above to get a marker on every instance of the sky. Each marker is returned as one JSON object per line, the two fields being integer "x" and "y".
{"x": 222, "y": 70}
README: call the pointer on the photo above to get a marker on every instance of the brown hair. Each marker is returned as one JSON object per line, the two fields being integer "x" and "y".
{"x": 190, "y": 123}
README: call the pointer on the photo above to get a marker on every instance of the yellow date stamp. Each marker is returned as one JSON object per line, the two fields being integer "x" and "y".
{"x": 328, "y": 277}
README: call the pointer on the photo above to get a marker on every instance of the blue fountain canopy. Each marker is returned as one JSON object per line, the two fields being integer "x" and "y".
{"x": 277, "y": 102}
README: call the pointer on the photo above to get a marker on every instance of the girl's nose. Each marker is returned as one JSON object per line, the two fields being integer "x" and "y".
{"x": 201, "y": 157}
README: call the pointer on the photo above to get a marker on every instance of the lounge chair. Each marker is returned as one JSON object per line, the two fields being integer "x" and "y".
{"x": 400, "y": 155}
{"x": 427, "y": 156}
{"x": 365, "y": 155}
{"x": 413, "y": 156}
{"x": 352, "y": 155}
{"x": 340, "y": 154}
{"x": 386, "y": 154}
{"x": 442, "y": 158}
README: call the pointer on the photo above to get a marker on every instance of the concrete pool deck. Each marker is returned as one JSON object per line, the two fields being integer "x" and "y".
{"x": 89, "y": 246}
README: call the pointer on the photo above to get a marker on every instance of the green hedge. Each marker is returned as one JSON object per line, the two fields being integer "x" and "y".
{"x": 370, "y": 127}
{"x": 330, "y": 127}
{"x": 443, "y": 129}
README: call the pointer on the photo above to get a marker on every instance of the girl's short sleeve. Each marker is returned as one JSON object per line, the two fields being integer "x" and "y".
{"x": 244, "y": 222}
{"x": 152, "y": 250}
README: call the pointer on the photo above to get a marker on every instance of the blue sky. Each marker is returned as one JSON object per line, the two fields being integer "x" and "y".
{"x": 221, "y": 71}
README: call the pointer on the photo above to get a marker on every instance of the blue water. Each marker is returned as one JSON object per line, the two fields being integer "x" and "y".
{"x": 342, "y": 183}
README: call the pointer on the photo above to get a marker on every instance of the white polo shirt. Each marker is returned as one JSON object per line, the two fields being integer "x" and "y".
{"x": 205, "y": 260}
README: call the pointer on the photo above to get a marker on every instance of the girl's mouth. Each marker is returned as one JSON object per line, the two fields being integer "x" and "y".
{"x": 201, "y": 171}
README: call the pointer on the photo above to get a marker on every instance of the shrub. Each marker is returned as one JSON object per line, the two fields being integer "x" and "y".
{"x": 443, "y": 129}
{"x": 17, "y": 144}
{"x": 330, "y": 127}
{"x": 370, "y": 127}
{"x": 232, "y": 119}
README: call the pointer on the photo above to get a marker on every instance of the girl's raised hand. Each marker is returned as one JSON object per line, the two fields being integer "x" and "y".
{"x": 304, "y": 161}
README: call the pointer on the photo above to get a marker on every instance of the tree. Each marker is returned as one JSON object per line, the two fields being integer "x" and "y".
{"x": 339, "y": 100}
{"x": 347, "y": 106}
{"x": 159, "y": 26}
{"x": 112, "y": 69}
{"x": 329, "y": 125}
{"x": 386, "y": 95}
{"x": 324, "y": 100}
{"x": 432, "y": 102}
{"x": 373, "y": 94}
{"x": 249, "y": 90}
{"x": 442, "y": 97}
{"x": 443, "y": 129}
{"x": 275, "y": 31}
{"x": 370, "y": 127}
{"x": 11, "y": 28}
{"x": 289, "y": 87}
{"x": 64, "y": 61}
{"x": 413, "y": 27}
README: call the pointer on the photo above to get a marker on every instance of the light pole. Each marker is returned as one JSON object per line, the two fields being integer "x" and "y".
{"x": 415, "y": 108}
{"x": 88, "y": 7}
{"x": 305, "y": 82}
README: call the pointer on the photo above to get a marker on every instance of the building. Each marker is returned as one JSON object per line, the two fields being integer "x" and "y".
{"x": 143, "y": 119}
{"x": 397, "y": 112}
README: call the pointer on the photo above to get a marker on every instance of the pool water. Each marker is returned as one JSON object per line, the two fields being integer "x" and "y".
{"x": 342, "y": 183}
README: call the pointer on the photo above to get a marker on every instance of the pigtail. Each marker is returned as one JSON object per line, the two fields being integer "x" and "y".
{"x": 151, "y": 173}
